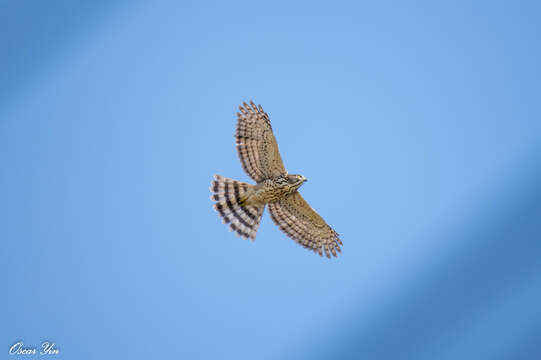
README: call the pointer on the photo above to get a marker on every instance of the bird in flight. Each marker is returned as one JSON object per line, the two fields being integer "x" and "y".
{"x": 241, "y": 204}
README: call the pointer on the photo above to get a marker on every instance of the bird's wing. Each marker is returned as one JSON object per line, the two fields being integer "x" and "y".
{"x": 300, "y": 222}
{"x": 256, "y": 144}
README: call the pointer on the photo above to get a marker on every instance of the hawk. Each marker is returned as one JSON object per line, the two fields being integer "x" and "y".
{"x": 241, "y": 204}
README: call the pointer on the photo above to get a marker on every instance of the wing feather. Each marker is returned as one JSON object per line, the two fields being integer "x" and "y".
{"x": 300, "y": 222}
{"x": 256, "y": 144}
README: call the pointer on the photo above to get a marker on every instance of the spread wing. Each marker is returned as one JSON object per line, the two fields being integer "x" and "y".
{"x": 300, "y": 222}
{"x": 256, "y": 144}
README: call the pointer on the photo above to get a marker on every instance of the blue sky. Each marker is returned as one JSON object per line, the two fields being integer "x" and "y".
{"x": 417, "y": 124}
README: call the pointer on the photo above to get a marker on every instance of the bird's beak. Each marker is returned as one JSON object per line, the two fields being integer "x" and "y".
{"x": 305, "y": 179}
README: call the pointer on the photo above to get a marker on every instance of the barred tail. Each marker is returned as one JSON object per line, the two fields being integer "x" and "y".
{"x": 229, "y": 195}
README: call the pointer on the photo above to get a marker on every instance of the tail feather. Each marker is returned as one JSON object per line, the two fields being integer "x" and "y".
{"x": 230, "y": 195}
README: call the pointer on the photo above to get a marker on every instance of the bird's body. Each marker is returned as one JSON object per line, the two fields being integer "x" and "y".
{"x": 242, "y": 204}
{"x": 271, "y": 190}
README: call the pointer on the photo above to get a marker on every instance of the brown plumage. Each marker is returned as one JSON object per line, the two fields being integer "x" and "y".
{"x": 241, "y": 204}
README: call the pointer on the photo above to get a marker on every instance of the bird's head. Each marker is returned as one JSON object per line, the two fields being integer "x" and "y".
{"x": 296, "y": 180}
